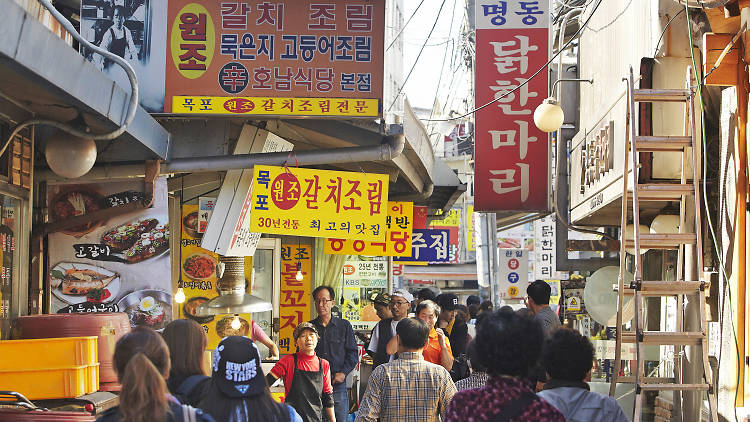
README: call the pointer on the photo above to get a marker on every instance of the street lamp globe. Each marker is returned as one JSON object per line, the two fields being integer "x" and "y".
{"x": 549, "y": 115}
{"x": 70, "y": 156}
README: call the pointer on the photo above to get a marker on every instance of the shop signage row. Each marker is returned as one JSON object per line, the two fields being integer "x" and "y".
{"x": 397, "y": 240}
{"x": 294, "y": 300}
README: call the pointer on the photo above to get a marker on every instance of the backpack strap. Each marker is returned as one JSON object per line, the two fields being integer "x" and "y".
{"x": 515, "y": 407}
{"x": 189, "y": 385}
{"x": 188, "y": 414}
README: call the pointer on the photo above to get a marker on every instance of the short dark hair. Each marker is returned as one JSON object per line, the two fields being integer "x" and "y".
{"x": 319, "y": 288}
{"x": 426, "y": 294}
{"x": 507, "y": 343}
{"x": 472, "y": 300}
{"x": 473, "y": 310}
{"x": 486, "y": 306}
{"x": 567, "y": 355}
{"x": 413, "y": 333}
{"x": 539, "y": 291}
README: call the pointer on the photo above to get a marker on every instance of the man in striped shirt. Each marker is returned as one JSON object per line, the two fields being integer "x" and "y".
{"x": 409, "y": 388}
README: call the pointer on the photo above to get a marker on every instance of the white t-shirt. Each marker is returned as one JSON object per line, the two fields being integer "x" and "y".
{"x": 373, "y": 347}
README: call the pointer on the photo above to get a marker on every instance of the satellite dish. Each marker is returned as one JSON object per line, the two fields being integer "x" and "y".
{"x": 601, "y": 299}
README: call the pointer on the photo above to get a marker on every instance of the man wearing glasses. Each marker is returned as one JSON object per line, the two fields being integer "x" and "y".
{"x": 386, "y": 328}
{"x": 337, "y": 345}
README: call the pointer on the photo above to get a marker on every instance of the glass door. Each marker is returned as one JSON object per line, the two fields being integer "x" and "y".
{"x": 266, "y": 277}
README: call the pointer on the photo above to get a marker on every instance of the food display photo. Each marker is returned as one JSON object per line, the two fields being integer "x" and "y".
{"x": 120, "y": 263}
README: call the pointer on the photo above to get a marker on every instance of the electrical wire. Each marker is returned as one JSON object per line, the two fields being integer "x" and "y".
{"x": 132, "y": 106}
{"x": 544, "y": 66}
{"x": 658, "y": 42}
{"x": 434, "y": 24}
{"x": 395, "y": 38}
{"x": 708, "y": 213}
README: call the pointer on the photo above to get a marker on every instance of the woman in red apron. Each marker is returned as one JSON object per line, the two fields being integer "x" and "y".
{"x": 307, "y": 379}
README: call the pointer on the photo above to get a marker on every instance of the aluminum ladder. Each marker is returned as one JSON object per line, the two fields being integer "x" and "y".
{"x": 689, "y": 236}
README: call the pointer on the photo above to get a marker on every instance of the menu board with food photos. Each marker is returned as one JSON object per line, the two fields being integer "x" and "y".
{"x": 364, "y": 278}
{"x": 198, "y": 281}
{"x": 114, "y": 264}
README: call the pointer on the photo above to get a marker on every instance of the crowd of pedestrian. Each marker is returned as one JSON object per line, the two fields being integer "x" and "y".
{"x": 523, "y": 367}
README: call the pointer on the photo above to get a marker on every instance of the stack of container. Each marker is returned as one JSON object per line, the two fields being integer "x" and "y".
{"x": 50, "y": 368}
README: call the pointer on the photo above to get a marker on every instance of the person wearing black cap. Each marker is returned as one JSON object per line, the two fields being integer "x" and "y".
{"x": 456, "y": 329}
{"x": 307, "y": 378}
{"x": 238, "y": 391}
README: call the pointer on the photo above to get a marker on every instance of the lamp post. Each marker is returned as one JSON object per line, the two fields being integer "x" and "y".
{"x": 549, "y": 116}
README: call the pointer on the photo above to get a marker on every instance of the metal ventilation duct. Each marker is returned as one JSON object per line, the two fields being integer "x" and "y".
{"x": 232, "y": 298}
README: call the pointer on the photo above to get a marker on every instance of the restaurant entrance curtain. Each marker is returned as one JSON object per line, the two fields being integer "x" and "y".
{"x": 328, "y": 269}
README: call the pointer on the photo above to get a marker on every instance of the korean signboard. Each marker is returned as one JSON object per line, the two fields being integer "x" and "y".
{"x": 512, "y": 154}
{"x": 295, "y": 297}
{"x": 451, "y": 222}
{"x": 397, "y": 240}
{"x": 115, "y": 264}
{"x": 363, "y": 280}
{"x": 198, "y": 278}
{"x": 544, "y": 248}
{"x": 319, "y": 203}
{"x": 512, "y": 277}
{"x": 431, "y": 246}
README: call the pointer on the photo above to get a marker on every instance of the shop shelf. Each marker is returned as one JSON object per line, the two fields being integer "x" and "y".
{"x": 48, "y": 353}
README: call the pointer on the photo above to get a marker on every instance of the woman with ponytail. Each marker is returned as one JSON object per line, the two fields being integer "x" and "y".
{"x": 142, "y": 363}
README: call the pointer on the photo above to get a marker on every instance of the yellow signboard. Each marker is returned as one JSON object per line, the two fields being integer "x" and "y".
{"x": 452, "y": 219}
{"x": 276, "y": 106}
{"x": 198, "y": 282}
{"x": 319, "y": 203}
{"x": 471, "y": 241}
{"x": 397, "y": 242}
{"x": 294, "y": 303}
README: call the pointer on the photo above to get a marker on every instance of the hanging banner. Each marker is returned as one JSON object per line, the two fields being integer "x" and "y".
{"x": 319, "y": 203}
{"x": 430, "y": 246}
{"x": 397, "y": 236}
{"x": 512, "y": 154}
{"x": 513, "y": 273}
{"x": 420, "y": 217}
{"x": 116, "y": 264}
{"x": 544, "y": 248}
{"x": 363, "y": 280}
{"x": 295, "y": 297}
{"x": 471, "y": 240}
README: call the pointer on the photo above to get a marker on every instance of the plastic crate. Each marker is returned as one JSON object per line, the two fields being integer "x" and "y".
{"x": 48, "y": 353}
{"x": 55, "y": 383}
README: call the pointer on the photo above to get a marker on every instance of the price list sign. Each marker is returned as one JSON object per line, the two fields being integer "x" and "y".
{"x": 397, "y": 240}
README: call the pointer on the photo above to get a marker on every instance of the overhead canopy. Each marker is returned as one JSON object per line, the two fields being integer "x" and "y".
{"x": 441, "y": 272}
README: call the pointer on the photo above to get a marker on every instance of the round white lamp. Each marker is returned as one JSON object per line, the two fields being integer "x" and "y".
{"x": 666, "y": 224}
{"x": 629, "y": 236}
{"x": 601, "y": 299}
{"x": 70, "y": 156}
{"x": 549, "y": 115}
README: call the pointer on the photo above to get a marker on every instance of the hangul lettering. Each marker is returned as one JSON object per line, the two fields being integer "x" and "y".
{"x": 286, "y": 253}
{"x": 505, "y": 59}
{"x": 315, "y": 224}
{"x": 268, "y": 104}
{"x": 360, "y": 106}
{"x": 529, "y": 9}
{"x": 345, "y": 226}
{"x": 324, "y": 13}
{"x": 304, "y": 105}
{"x": 289, "y": 273}
{"x": 206, "y": 104}
{"x": 508, "y": 177}
{"x": 287, "y": 104}
{"x": 362, "y": 48}
{"x": 398, "y": 239}
{"x": 546, "y": 271}
{"x": 344, "y": 48}
{"x": 546, "y": 257}
{"x": 286, "y": 223}
{"x": 271, "y": 14}
{"x": 262, "y": 78}
{"x": 193, "y": 27}
{"x": 325, "y": 105}
{"x": 302, "y": 78}
{"x": 331, "y": 226}
{"x": 295, "y": 224}
{"x": 359, "y": 246}
{"x": 325, "y": 45}
{"x": 334, "y": 192}
{"x": 504, "y": 94}
{"x": 361, "y": 228}
{"x": 403, "y": 222}
{"x": 261, "y": 202}
{"x": 347, "y": 82}
{"x": 363, "y": 82}
{"x": 497, "y": 11}
{"x": 228, "y": 45}
{"x": 307, "y": 47}
{"x": 186, "y": 102}
{"x": 342, "y": 106}
{"x": 311, "y": 191}
{"x": 375, "y": 196}
{"x": 510, "y": 136}
{"x": 375, "y": 229}
{"x": 508, "y": 254}
{"x": 283, "y": 81}
{"x": 248, "y": 43}
{"x": 547, "y": 245}
{"x": 440, "y": 245}
{"x": 289, "y": 321}
{"x": 264, "y": 177}
{"x": 324, "y": 79}
{"x": 519, "y": 254}
{"x": 276, "y": 223}
{"x": 292, "y": 298}
{"x": 302, "y": 253}
{"x": 353, "y": 190}
{"x": 417, "y": 242}
{"x": 265, "y": 45}
{"x": 290, "y": 48}
{"x": 359, "y": 18}
{"x": 335, "y": 244}
{"x": 388, "y": 222}
{"x": 190, "y": 58}
{"x": 234, "y": 15}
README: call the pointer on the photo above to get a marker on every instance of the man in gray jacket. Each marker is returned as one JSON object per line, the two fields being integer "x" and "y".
{"x": 537, "y": 301}
{"x": 568, "y": 357}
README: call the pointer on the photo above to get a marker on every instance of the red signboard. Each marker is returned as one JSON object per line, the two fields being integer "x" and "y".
{"x": 511, "y": 153}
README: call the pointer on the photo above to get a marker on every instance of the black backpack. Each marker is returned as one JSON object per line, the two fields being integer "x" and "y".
{"x": 188, "y": 385}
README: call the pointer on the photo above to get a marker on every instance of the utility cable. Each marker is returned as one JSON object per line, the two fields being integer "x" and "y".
{"x": 442, "y": 69}
{"x": 132, "y": 106}
{"x": 395, "y": 38}
{"x": 664, "y": 31}
{"x": 544, "y": 66}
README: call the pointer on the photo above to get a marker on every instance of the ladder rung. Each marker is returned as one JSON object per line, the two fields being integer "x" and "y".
{"x": 650, "y": 380}
{"x": 666, "y": 288}
{"x": 674, "y": 387}
{"x": 662, "y": 143}
{"x": 663, "y": 191}
{"x": 664, "y": 338}
{"x": 645, "y": 95}
{"x": 662, "y": 240}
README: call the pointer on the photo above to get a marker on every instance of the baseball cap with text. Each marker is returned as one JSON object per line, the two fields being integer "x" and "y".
{"x": 236, "y": 368}
{"x": 403, "y": 293}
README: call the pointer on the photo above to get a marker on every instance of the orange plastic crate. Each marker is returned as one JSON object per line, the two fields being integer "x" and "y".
{"x": 54, "y": 383}
{"x": 48, "y": 353}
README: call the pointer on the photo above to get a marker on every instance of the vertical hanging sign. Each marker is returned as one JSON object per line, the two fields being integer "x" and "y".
{"x": 511, "y": 153}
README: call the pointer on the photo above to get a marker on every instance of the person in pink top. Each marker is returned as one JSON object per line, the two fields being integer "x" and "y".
{"x": 259, "y": 335}
{"x": 307, "y": 377}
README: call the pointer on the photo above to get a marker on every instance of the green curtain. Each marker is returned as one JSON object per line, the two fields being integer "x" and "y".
{"x": 328, "y": 268}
